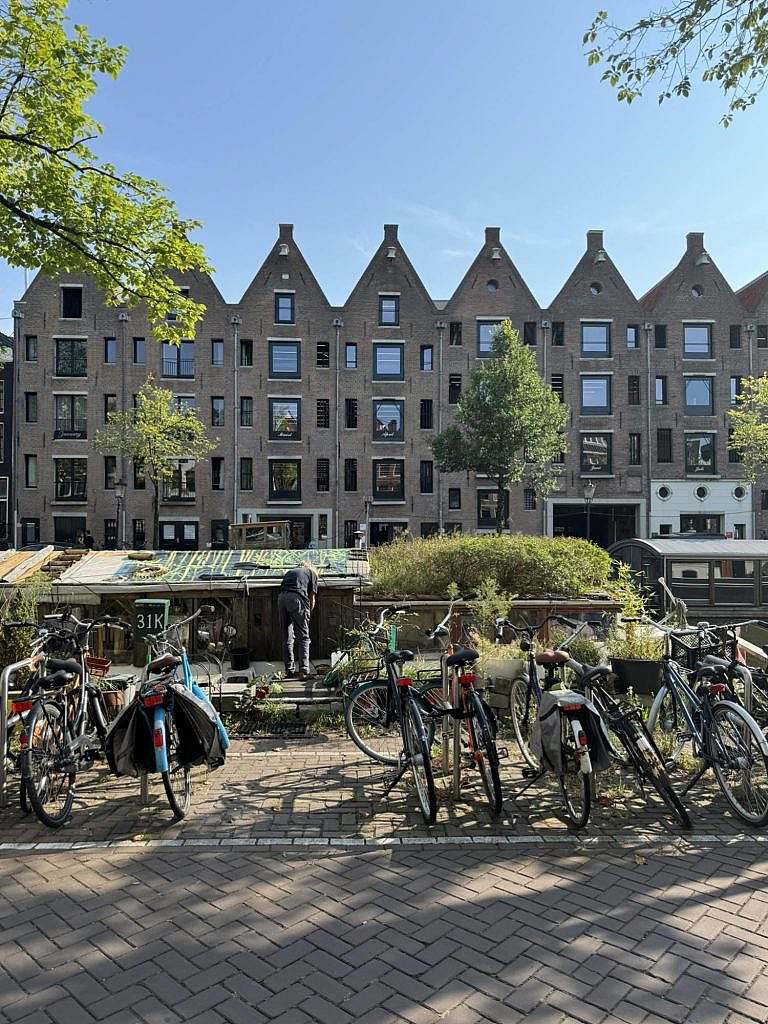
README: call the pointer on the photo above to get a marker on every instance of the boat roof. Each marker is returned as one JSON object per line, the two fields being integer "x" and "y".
{"x": 698, "y": 547}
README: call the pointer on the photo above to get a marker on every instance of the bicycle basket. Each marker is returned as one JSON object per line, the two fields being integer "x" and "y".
{"x": 98, "y": 667}
{"x": 688, "y": 650}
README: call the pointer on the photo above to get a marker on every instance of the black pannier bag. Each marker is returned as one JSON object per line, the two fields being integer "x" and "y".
{"x": 128, "y": 743}
{"x": 195, "y": 719}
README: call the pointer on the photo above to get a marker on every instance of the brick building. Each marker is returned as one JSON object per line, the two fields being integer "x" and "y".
{"x": 319, "y": 408}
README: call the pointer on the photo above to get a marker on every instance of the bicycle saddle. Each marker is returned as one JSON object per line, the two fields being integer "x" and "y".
{"x": 552, "y": 657}
{"x": 56, "y": 680}
{"x": 391, "y": 657}
{"x": 712, "y": 661}
{"x": 163, "y": 664}
{"x": 70, "y": 665}
{"x": 463, "y": 656}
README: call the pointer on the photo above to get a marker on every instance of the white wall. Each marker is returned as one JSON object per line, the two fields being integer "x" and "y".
{"x": 720, "y": 500}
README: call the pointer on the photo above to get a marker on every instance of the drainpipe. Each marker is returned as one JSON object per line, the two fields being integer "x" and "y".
{"x": 545, "y": 324}
{"x": 123, "y": 318}
{"x": 338, "y": 323}
{"x": 18, "y": 316}
{"x": 651, "y": 398}
{"x": 440, "y": 325}
{"x": 235, "y": 321}
{"x": 750, "y": 342}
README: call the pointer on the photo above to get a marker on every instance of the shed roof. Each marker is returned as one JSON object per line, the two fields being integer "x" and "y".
{"x": 700, "y": 547}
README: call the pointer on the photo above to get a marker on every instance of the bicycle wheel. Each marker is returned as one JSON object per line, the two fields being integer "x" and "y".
{"x": 417, "y": 750}
{"x": 667, "y": 724}
{"x": 365, "y": 716}
{"x": 178, "y": 779}
{"x": 606, "y": 708}
{"x": 740, "y": 766}
{"x": 47, "y": 768}
{"x": 575, "y": 786}
{"x": 484, "y": 753}
{"x": 649, "y": 765}
{"x": 523, "y": 708}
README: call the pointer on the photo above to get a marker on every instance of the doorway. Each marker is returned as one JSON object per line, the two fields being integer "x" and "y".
{"x": 385, "y": 533}
{"x": 608, "y": 524}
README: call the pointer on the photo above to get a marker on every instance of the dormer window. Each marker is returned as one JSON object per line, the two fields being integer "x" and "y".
{"x": 389, "y": 311}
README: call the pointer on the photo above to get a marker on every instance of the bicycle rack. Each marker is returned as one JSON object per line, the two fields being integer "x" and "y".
{"x": 5, "y": 678}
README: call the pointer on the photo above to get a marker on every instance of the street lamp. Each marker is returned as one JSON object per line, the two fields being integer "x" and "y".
{"x": 120, "y": 531}
{"x": 589, "y": 496}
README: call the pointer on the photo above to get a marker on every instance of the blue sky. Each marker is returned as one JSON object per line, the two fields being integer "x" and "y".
{"x": 444, "y": 117}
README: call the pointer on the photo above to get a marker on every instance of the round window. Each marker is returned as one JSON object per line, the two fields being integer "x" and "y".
{"x": 739, "y": 493}
{"x": 664, "y": 493}
{"x": 697, "y": 291}
{"x": 701, "y": 493}
{"x": 493, "y": 285}
{"x": 595, "y": 287}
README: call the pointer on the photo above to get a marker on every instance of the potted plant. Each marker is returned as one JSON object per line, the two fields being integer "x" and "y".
{"x": 114, "y": 697}
{"x": 635, "y": 649}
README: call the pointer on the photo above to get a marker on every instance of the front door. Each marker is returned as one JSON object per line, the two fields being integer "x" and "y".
{"x": 605, "y": 524}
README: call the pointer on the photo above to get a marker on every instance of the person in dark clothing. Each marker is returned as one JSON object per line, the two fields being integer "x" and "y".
{"x": 89, "y": 541}
{"x": 295, "y": 603}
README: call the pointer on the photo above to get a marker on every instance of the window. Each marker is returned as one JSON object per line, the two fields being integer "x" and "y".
{"x": 557, "y": 383}
{"x": 30, "y": 406}
{"x": 735, "y": 335}
{"x": 71, "y": 479}
{"x": 285, "y": 308}
{"x": 30, "y": 471}
{"x": 762, "y": 335}
{"x": 595, "y": 339}
{"x": 217, "y": 473}
{"x": 429, "y": 530}
{"x": 388, "y": 417}
{"x": 350, "y": 356}
{"x": 284, "y": 360}
{"x": 246, "y": 473}
{"x": 219, "y": 534}
{"x": 427, "y": 476}
{"x": 735, "y": 389}
{"x": 485, "y": 332}
{"x": 635, "y": 449}
{"x": 699, "y": 522}
{"x": 661, "y": 391}
{"x": 700, "y": 454}
{"x": 350, "y": 529}
{"x": 110, "y": 406}
{"x": 426, "y": 353}
{"x": 284, "y": 480}
{"x": 68, "y": 529}
{"x": 454, "y": 498}
{"x": 30, "y": 531}
{"x": 139, "y": 351}
{"x": 246, "y": 352}
{"x": 633, "y": 335}
{"x": 185, "y": 403}
{"x": 595, "y": 396}
{"x": 323, "y": 475}
{"x": 665, "y": 529}
{"x": 323, "y": 355}
{"x": 596, "y": 453}
{"x": 529, "y": 499}
{"x": 633, "y": 390}
{"x": 454, "y": 333}
{"x": 174, "y": 314}
{"x": 734, "y": 455}
{"x": 350, "y": 413}
{"x": 285, "y": 419}
{"x": 764, "y": 500}
{"x": 178, "y": 360}
{"x": 739, "y": 531}
{"x": 698, "y": 396}
{"x": 217, "y": 352}
{"x": 664, "y": 444}
{"x": 246, "y": 411}
{"x": 178, "y": 536}
{"x": 486, "y": 509}
{"x": 389, "y": 310}
{"x": 697, "y": 341}
{"x": 181, "y": 484}
{"x": 72, "y": 302}
{"x": 139, "y": 476}
{"x": 110, "y": 472}
{"x": 322, "y": 526}
{"x": 558, "y": 333}
{"x": 71, "y": 357}
{"x": 323, "y": 413}
{"x": 388, "y": 480}
{"x": 30, "y": 348}
{"x": 110, "y": 351}
{"x": 454, "y": 388}
{"x": 70, "y": 416}
{"x": 217, "y": 411}
{"x": 660, "y": 336}
{"x": 387, "y": 362}
{"x": 530, "y": 332}
{"x": 350, "y": 474}
{"x": 426, "y": 416}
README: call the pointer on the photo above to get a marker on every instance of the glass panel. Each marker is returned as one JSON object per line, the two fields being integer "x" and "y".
{"x": 485, "y": 332}
{"x": 285, "y": 479}
{"x": 734, "y": 582}
{"x": 285, "y": 423}
{"x": 698, "y": 394}
{"x": 595, "y": 339}
{"x": 596, "y": 453}
{"x": 388, "y": 480}
{"x": 700, "y": 453}
{"x": 696, "y": 340}
{"x": 595, "y": 393}
{"x": 388, "y": 421}
{"x": 389, "y": 360}
{"x": 284, "y": 360}
{"x": 690, "y": 581}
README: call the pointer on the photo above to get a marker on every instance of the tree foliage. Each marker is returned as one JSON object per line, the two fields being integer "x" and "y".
{"x": 749, "y": 427}
{"x": 61, "y": 208}
{"x": 156, "y": 435}
{"x": 720, "y": 41}
{"x": 509, "y": 424}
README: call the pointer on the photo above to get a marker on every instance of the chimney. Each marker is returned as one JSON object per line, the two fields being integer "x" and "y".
{"x": 390, "y": 233}
{"x": 694, "y": 241}
{"x": 594, "y": 240}
{"x": 493, "y": 236}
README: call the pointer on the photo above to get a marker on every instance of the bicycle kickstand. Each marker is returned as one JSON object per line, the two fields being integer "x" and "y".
{"x": 532, "y": 779}
{"x": 393, "y": 781}
{"x": 695, "y": 779}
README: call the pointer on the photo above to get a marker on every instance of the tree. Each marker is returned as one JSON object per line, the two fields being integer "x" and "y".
{"x": 61, "y": 208}
{"x": 156, "y": 435}
{"x": 749, "y": 427}
{"x": 509, "y": 423}
{"x": 721, "y": 41}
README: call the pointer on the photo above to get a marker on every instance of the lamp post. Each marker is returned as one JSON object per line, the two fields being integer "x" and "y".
{"x": 119, "y": 523}
{"x": 589, "y": 495}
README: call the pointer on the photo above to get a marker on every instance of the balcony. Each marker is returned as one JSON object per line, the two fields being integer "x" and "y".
{"x": 175, "y": 492}
{"x": 78, "y": 495}
{"x": 180, "y": 368}
{"x": 71, "y": 430}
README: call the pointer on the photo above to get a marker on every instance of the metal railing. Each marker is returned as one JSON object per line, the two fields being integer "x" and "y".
{"x": 179, "y": 368}
{"x": 5, "y": 678}
{"x": 73, "y": 428}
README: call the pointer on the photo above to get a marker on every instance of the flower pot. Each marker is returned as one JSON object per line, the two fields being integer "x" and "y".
{"x": 641, "y": 676}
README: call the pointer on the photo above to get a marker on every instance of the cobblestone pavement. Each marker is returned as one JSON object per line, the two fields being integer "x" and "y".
{"x": 456, "y": 934}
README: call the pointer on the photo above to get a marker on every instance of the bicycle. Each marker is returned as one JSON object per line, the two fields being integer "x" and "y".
{"x": 723, "y": 734}
{"x": 66, "y": 721}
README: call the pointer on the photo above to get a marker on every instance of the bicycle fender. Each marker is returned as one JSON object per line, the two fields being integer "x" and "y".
{"x": 158, "y": 739}
{"x": 202, "y": 695}
{"x": 741, "y": 712}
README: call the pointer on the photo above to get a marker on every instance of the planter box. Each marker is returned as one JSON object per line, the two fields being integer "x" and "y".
{"x": 643, "y": 676}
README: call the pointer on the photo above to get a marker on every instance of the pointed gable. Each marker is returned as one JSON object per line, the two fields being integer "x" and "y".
{"x": 754, "y": 296}
{"x": 595, "y": 286}
{"x": 695, "y": 285}
{"x": 494, "y": 285}
{"x": 284, "y": 268}
{"x": 390, "y": 270}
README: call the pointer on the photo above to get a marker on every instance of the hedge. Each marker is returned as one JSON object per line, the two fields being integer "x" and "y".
{"x": 522, "y": 565}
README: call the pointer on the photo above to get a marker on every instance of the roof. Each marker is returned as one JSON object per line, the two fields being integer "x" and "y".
{"x": 700, "y": 547}
{"x": 652, "y": 296}
{"x": 752, "y": 294}
{"x": 118, "y": 572}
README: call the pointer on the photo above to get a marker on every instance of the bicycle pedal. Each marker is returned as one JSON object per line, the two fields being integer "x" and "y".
{"x": 530, "y": 773}
{"x": 503, "y": 753}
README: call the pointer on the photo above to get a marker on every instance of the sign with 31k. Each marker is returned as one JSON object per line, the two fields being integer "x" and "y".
{"x": 150, "y": 616}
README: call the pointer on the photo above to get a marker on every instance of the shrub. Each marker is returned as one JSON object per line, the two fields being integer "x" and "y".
{"x": 523, "y": 565}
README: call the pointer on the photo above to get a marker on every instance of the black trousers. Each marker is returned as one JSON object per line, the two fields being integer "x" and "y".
{"x": 293, "y": 612}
